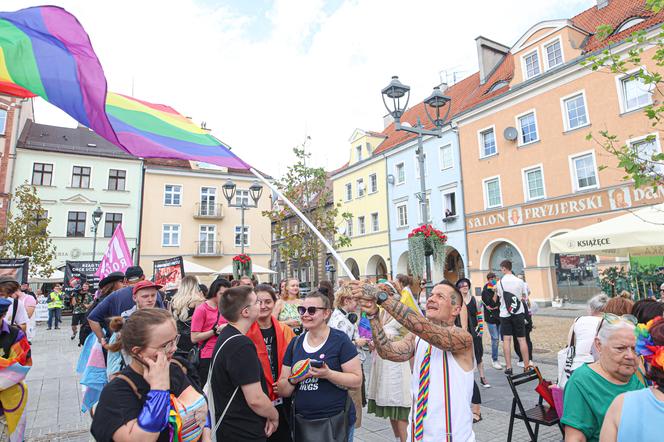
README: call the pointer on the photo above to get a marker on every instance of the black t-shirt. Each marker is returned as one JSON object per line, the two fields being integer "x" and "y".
{"x": 236, "y": 364}
{"x": 490, "y": 316}
{"x": 270, "y": 338}
{"x": 118, "y": 404}
{"x": 472, "y": 316}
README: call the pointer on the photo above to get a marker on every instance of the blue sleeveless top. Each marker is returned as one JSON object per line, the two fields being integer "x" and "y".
{"x": 641, "y": 416}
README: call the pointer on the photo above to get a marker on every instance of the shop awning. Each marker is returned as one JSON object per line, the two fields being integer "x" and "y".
{"x": 191, "y": 268}
{"x": 255, "y": 268}
{"x": 637, "y": 233}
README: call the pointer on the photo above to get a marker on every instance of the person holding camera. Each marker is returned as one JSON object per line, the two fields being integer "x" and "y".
{"x": 206, "y": 324}
{"x": 326, "y": 365}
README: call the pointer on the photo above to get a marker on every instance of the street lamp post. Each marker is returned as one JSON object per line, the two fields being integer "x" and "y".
{"x": 96, "y": 219}
{"x": 395, "y": 98}
{"x": 255, "y": 191}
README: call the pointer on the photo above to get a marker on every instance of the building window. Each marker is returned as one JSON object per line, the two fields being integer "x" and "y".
{"x": 361, "y": 228}
{"x": 417, "y": 166}
{"x": 527, "y": 129}
{"x": 349, "y": 227}
{"x": 349, "y": 191}
{"x": 361, "y": 190}
{"x": 534, "y": 180}
{"x": 401, "y": 173}
{"x": 117, "y": 179}
{"x": 41, "y": 219}
{"x": 575, "y": 112}
{"x": 488, "y": 143}
{"x": 76, "y": 224}
{"x": 375, "y": 226}
{"x": 402, "y": 215}
{"x": 112, "y": 221}
{"x": 446, "y": 157}
{"x": 358, "y": 153}
{"x": 80, "y": 177}
{"x": 42, "y": 174}
{"x": 3, "y": 121}
{"x": 206, "y": 237}
{"x": 238, "y": 236}
{"x": 373, "y": 183}
{"x": 492, "y": 195}
{"x": 170, "y": 235}
{"x": 449, "y": 204}
{"x": 645, "y": 148}
{"x": 531, "y": 61}
{"x": 554, "y": 54}
{"x": 635, "y": 93}
{"x": 208, "y": 201}
{"x": 584, "y": 172}
{"x": 172, "y": 195}
{"x": 242, "y": 197}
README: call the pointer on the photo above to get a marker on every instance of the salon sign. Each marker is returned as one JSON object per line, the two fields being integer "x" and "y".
{"x": 605, "y": 200}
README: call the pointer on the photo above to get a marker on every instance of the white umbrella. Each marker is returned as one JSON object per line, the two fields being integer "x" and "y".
{"x": 637, "y": 233}
{"x": 255, "y": 268}
{"x": 191, "y": 268}
{"x": 37, "y": 277}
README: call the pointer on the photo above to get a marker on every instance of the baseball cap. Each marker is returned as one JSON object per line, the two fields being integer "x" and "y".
{"x": 111, "y": 278}
{"x": 145, "y": 285}
{"x": 133, "y": 273}
{"x": 4, "y": 305}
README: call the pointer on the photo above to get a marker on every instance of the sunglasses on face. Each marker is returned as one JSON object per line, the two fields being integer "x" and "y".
{"x": 310, "y": 310}
{"x": 610, "y": 318}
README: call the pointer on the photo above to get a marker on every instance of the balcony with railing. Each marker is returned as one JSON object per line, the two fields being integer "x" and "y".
{"x": 208, "y": 248}
{"x": 208, "y": 211}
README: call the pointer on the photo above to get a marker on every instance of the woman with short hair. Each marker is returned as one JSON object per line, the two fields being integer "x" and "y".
{"x": 592, "y": 387}
{"x": 326, "y": 365}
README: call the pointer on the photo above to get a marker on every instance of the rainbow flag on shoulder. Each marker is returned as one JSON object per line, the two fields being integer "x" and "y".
{"x": 44, "y": 51}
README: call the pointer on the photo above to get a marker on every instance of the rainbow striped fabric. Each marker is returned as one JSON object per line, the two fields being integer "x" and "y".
{"x": 423, "y": 394}
{"x": 44, "y": 51}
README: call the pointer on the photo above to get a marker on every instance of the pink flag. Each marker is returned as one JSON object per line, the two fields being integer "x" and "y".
{"x": 117, "y": 256}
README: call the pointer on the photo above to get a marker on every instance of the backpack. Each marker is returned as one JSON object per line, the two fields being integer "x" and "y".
{"x": 512, "y": 302}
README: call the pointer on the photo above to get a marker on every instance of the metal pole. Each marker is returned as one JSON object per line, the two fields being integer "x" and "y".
{"x": 242, "y": 209}
{"x": 423, "y": 205}
{"x": 94, "y": 242}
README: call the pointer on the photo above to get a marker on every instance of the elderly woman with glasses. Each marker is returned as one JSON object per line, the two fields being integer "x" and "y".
{"x": 592, "y": 387}
{"x": 319, "y": 367}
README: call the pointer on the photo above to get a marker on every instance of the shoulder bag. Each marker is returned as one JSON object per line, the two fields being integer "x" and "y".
{"x": 512, "y": 302}
{"x": 566, "y": 359}
{"x": 194, "y": 355}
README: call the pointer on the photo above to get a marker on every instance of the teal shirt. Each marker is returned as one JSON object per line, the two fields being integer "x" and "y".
{"x": 588, "y": 396}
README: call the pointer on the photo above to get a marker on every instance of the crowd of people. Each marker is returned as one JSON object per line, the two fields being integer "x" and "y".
{"x": 243, "y": 361}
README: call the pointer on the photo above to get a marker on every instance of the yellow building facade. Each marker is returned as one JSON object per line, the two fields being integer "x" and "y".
{"x": 361, "y": 188}
{"x": 186, "y": 214}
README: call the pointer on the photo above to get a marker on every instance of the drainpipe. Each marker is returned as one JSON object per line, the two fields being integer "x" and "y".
{"x": 455, "y": 129}
{"x": 387, "y": 206}
{"x": 137, "y": 259}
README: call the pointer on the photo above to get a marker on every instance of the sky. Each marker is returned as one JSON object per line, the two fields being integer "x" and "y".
{"x": 266, "y": 74}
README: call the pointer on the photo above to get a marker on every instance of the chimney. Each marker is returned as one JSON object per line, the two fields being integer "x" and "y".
{"x": 443, "y": 86}
{"x": 602, "y": 3}
{"x": 489, "y": 55}
{"x": 387, "y": 120}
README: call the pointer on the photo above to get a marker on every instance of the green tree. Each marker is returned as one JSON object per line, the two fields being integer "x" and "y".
{"x": 641, "y": 164}
{"x": 306, "y": 187}
{"x": 26, "y": 234}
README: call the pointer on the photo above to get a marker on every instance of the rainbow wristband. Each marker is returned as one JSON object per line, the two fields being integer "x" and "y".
{"x": 154, "y": 414}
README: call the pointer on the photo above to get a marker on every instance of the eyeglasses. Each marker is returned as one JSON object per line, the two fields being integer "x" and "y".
{"x": 311, "y": 310}
{"x": 168, "y": 346}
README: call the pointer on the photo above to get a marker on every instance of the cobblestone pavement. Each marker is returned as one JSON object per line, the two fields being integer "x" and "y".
{"x": 54, "y": 401}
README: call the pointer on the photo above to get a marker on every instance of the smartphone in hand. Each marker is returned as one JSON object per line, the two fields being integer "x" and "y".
{"x": 316, "y": 364}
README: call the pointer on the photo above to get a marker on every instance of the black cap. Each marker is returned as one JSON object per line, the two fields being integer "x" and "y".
{"x": 4, "y": 305}
{"x": 134, "y": 272}
{"x": 111, "y": 278}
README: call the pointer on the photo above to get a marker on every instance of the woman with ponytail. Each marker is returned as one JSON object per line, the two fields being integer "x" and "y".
{"x": 636, "y": 415}
{"x": 152, "y": 399}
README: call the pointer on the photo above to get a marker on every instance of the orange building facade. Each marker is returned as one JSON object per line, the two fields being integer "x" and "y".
{"x": 529, "y": 173}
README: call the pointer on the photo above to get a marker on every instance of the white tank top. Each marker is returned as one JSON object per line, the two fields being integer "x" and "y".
{"x": 460, "y": 393}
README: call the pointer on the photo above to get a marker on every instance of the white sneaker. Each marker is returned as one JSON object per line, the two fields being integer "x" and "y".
{"x": 520, "y": 364}
{"x": 497, "y": 365}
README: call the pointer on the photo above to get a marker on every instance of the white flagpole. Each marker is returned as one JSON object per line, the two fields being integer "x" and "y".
{"x": 320, "y": 236}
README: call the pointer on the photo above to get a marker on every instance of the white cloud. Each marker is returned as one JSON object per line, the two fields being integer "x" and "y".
{"x": 312, "y": 72}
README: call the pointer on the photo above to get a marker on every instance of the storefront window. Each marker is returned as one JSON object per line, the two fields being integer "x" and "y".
{"x": 576, "y": 277}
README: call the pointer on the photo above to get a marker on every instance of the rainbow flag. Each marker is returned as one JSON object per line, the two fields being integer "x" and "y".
{"x": 44, "y": 51}
{"x": 13, "y": 391}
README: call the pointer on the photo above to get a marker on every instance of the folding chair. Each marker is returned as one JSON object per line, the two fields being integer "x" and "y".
{"x": 539, "y": 415}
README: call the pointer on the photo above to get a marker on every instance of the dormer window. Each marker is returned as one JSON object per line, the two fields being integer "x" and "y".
{"x": 629, "y": 23}
{"x": 358, "y": 153}
{"x": 531, "y": 64}
{"x": 554, "y": 54}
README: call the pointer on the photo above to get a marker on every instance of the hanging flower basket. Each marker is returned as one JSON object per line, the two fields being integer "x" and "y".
{"x": 241, "y": 266}
{"x": 422, "y": 242}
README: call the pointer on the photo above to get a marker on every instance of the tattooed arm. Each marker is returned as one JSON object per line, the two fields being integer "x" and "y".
{"x": 398, "y": 351}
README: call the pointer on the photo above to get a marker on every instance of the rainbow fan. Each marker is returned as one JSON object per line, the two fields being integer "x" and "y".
{"x": 300, "y": 370}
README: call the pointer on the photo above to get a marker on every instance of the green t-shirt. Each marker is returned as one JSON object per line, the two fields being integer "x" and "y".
{"x": 588, "y": 396}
